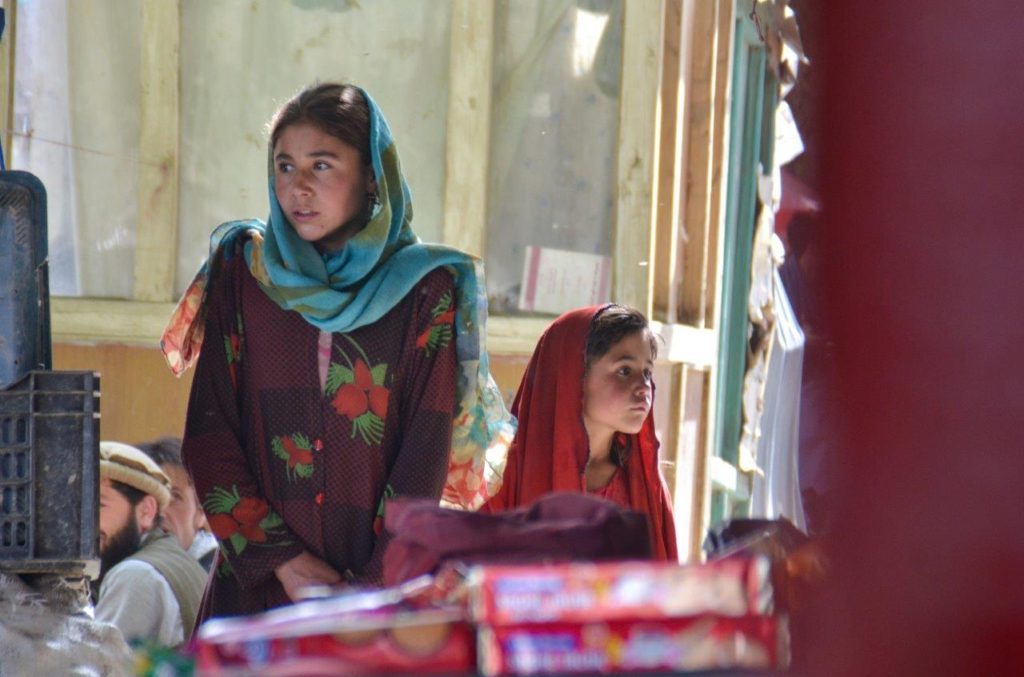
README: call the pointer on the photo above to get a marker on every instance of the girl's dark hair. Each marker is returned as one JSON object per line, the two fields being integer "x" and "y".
{"x": 337, "y": 109}
{"x": 610, "y": 325}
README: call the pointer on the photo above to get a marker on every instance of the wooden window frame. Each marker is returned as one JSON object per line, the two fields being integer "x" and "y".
{"x": 754, "y": 95}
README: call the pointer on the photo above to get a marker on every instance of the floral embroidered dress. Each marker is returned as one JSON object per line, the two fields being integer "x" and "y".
{"x": 327, "y": 383}
{"x": 348, "y": 418}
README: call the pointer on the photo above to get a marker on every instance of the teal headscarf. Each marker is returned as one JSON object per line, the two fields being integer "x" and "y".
{"x": 354, "y": 287}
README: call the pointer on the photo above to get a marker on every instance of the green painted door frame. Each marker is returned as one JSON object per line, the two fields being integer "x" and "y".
{"x": 752, "y": 116}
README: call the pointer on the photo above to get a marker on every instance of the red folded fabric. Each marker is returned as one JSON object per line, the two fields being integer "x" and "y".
{"x": 558, "y": 527}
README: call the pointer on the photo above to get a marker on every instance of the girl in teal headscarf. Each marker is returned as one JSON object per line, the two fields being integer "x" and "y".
{"x": 343, "y": 363}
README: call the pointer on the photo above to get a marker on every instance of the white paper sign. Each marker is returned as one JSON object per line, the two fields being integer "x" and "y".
{"x": 555, "y": 280}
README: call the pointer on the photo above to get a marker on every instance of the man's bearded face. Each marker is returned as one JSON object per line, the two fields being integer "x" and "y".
{"x": 121, "y": 544}
{"x": 120, "y": 535}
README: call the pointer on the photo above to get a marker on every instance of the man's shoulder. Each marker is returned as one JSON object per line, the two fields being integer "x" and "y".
{"x": 131, "y": 574}
{"x": 169, "y": 560}
{"x": 131, "y": 568}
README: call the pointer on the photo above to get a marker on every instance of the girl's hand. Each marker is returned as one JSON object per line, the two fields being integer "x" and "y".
{"x": 302, "y": 571}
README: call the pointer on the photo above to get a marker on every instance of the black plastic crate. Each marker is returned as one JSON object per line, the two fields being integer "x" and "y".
{"x": 24, "y": 278}
{"x": 49, "y": 471}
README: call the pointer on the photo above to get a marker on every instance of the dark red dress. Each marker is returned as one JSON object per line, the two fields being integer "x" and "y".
{"x": 295, "y": 437}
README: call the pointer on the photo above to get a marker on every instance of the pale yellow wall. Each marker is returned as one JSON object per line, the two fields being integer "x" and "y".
{"x": 139, "y": 397}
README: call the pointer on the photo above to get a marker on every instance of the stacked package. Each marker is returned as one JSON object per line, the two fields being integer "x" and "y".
{"x": 627, "y": 617}
{"x": 403, "y": 630}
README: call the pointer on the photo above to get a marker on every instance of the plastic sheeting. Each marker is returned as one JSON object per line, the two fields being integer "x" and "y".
{"x": 776, "y": 490}
{"x": 555, "y": 132}
{"x": 76, "y": 113}
{"x": 76, "y": 126}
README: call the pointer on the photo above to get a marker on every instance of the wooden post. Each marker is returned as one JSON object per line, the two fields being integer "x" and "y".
{"x": 708, "y": 76}
{"x": 469, "y": 125}
{"x": 156, "y": 237}
{"x": 691, "y": 463}
{"x": 726, "y": 18}
{"x": 7, "y": 60}
{"x": 708, "y": 302}
{"x": 632, "y": 279}
{"x": 670, "y": 167}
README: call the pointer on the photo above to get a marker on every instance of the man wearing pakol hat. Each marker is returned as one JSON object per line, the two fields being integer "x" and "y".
{"x": 183, "y": 517}
{"x": 149, "y": 587}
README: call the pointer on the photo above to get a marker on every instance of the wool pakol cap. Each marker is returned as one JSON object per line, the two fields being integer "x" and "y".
{"x": 125, "y": 463}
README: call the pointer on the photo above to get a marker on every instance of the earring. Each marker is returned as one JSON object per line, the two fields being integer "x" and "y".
{"x": 372, "y": 199}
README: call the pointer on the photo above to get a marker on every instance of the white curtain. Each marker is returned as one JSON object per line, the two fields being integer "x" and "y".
{"x": 76, "y": 113}
{"x": 776, "y": 492}
{"x": 76, "y": 126}
{"x": 554, "y": 133}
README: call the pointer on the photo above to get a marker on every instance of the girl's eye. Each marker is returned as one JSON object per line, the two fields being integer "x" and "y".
{"x": 321, "y": 165}
{"x": 625, "y": 371}
{"x": 284, "y": 167}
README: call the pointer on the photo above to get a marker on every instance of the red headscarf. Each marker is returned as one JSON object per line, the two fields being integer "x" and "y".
{"x": 551, "y": 446}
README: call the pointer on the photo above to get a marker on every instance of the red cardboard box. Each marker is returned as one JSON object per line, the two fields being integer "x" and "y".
{"x": 628, "y": 646}
{"x": 734, "y": 587}
{"x": 369, "y": 633}
{"x": 418, "y": 642}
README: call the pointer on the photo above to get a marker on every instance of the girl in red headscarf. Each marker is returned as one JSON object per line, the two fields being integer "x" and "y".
{"x": 585, "y": 421}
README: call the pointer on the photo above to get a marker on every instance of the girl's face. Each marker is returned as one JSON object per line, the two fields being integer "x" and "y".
{"x": 321, "y": 184}
{"x": 617, "y": 389}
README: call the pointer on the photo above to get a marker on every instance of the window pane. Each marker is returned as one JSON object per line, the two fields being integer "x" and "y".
{"x": 552, "y": 169}
{"x": 76, "y": 127}
{"x": 76, "y": 113}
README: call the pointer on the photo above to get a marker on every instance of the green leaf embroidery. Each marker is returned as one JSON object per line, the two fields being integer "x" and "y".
{"x": 369, "y": 427}
{"x": 389, "y": 492}
{"x": 337, "y": 376}
{"x": 277, "y": 446}
{"x": 238, "y": 542}
{"x": 355, "y": 344}
{"x": 221, "y": 500}
{"x": 443, "y": 304}
{"x": 378, "y": 373}
{"x": 440, "y": 336}
{"x": 224, "y": 570}
{"x": 271, "y": 521}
